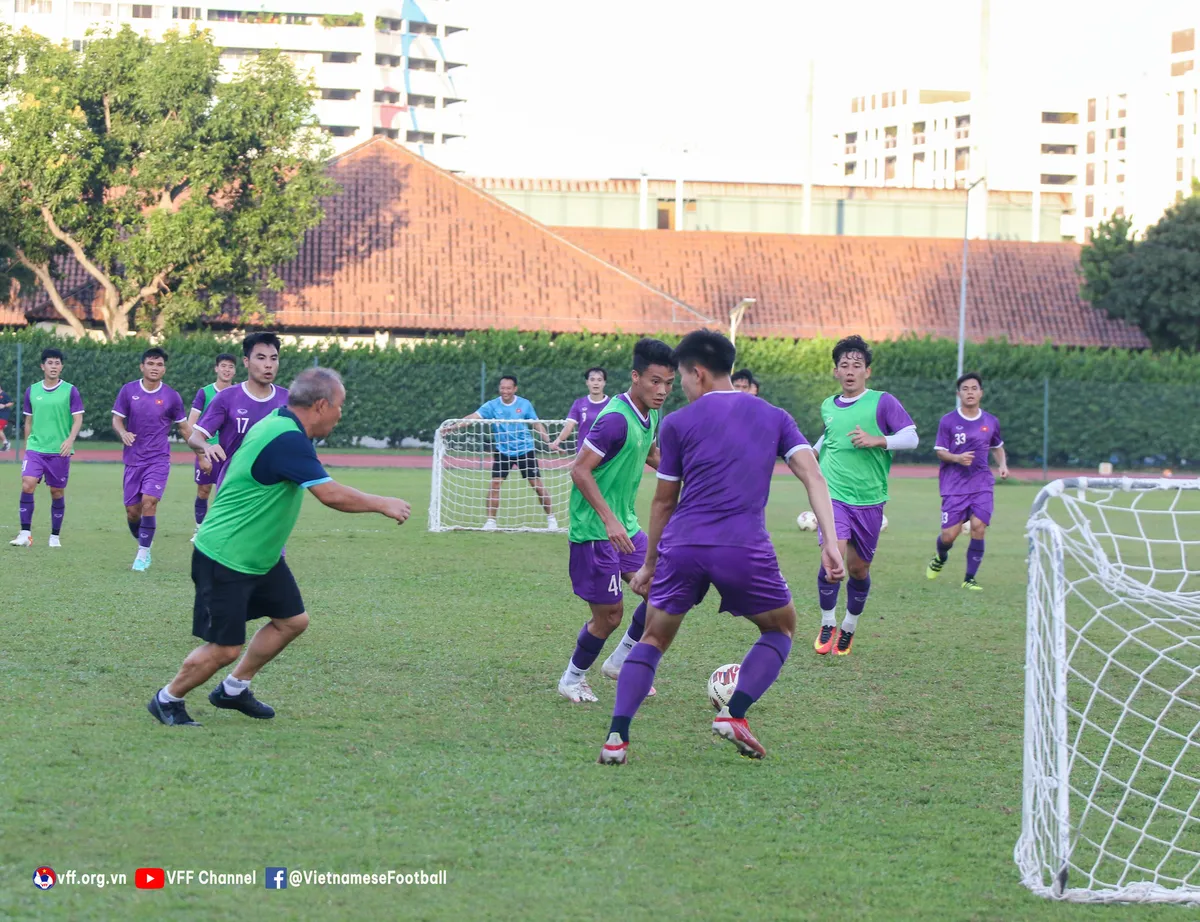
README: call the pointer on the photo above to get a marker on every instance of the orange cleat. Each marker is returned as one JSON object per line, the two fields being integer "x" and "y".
{"x": 824, "y": 642}
{"x": 844, "y": 641}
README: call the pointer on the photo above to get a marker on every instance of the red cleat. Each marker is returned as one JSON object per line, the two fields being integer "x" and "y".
{"x": 614, "y": 751}
{"x": 737, "y": 732}
{"x": 824, "y": 642}
{"x": 844, "y": 641}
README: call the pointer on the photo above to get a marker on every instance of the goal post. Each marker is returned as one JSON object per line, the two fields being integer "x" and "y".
{"x": 474, "y": 457}
{"x": 1111, "y": 792}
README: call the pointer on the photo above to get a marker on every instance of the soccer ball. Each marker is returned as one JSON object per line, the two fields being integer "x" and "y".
{"x": 806, "y": 521}
{"x": 722, "y": 684}
{"x": 883, "y": 527}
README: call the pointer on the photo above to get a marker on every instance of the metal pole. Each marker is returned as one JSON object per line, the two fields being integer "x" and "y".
{"x": 19, "y": 407}
{"x": 482, "y": 383}
{"x": 806, "y": 206}
{"x": 962, "y": 287}
{"x": 1045, "y": 428}
{"x": 643, "y": 201}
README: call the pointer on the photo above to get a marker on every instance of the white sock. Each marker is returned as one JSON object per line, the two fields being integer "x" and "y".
{"x": 627, "y": 643}
{"x": 234, "y": 686}
{"x": 849, "y": 623}
{"x": 829, "y": 618}
{"x": 143, "y": 553}
{"x": 165, "y": 697}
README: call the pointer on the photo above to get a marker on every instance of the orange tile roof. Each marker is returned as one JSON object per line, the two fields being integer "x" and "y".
{"x": 881, "y": 287}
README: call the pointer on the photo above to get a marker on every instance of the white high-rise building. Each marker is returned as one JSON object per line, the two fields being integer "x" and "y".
{"x": 389, "y": 67}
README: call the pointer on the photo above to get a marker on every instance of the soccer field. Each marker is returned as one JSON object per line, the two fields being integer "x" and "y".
{"x": 418, "y": 729}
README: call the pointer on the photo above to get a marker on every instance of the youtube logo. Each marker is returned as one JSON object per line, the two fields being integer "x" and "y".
{"x": 149, "y": 878}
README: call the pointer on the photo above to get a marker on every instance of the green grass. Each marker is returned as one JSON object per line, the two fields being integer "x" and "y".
{"x": 419, "y": 728}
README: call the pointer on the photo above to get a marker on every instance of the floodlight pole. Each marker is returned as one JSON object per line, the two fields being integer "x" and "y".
{"x": 962, "y": 288}
{"x": 735, "y": 317}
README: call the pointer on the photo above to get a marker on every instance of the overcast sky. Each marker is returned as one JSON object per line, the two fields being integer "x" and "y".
{"x": 583, "y": 90}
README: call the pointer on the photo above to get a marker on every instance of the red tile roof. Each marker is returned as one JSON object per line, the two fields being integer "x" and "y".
{"x": 881, "y": 287}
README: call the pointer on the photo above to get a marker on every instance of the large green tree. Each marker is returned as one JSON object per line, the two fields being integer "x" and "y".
{"x": 172, "y": 188}
{"x": 1153, "y": 282}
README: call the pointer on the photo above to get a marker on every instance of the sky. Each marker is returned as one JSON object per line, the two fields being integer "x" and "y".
{"x": 584, "y": 90}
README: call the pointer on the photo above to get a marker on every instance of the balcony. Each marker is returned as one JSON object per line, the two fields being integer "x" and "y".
{"x": 889, "y": 142}
{"x": 960, "y": 133}
{"x": 918, "y": 139}
{"x": 851, "y": 148}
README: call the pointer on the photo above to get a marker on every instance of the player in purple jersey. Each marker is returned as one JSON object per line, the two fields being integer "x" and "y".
{"x": 232, "y": 413}
{"x": 584, "y": 411}
{"x": 142, "y": 416}
{"x": 225, "y": 368}
{"x": 720, "y": 450}
{"x": 964, "y": 439}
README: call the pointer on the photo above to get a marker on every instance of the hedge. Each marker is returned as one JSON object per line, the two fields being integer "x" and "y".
{"x": 1129, "y": 407}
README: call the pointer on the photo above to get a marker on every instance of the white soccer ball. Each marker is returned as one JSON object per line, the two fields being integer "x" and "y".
{"x": 806, "y": 521}
{"x": 722, "y": 684}
{"x": 883, "y": 527}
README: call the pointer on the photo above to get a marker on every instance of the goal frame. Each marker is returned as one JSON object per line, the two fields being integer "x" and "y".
{"x": 1043, "y": 855}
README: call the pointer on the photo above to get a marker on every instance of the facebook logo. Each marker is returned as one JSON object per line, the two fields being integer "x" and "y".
{"x": 276, "y": 878}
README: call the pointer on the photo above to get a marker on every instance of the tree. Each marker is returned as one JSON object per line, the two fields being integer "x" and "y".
{"x": 172, "y": 189}
{"x": 1152, "y": 283}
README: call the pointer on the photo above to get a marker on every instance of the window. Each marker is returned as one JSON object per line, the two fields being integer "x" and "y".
{"x": 34, "y": 6}
{"x": 1059, "y": 149}
{"x": 422, "y": 102}
{"x": 1179, "y": 136}
{"x": 1180, "y": 104}
{"x": 904, "y": 97}
{"x": 889, "y": 168}
{"x": 78, "y": 44}
{"x": 419, "y": 137}
{"x": 139, "y": 11}
{"x": 1091, "y": 110}
{"x": 1183, "y": 41}
{"x": 962, "y": 126}
{"x": 1179, "y": 68}
{"x": 1057, "y": 179}
{"x": 422, "y": 28}
{"x": 338, "y": 94}
{"x": 383, "y": 24}
{"x": 1065, "y": 118}
{"x": 918, "y": 132}
{"x": 421, "y": 64}
{"x": 851, "y": 142}
{"x": 1121, "y": 106}
{"x": 93, "y": 10}
{"x": 1091, "y": 142}
{"x": 872, "y": 101}
{"x": 1179, "y": 169}
{"x": 389, "y": 96}
{"x": 341, "y": 131}
{"x": 962, "y": 159}
{"x": 387, "y": 60}
{"x": 185, "y": 12}
{"x": 1089, "y": 206}
{"x": 666, "y": 215}
{"x": 851, "y": 167}
{"x": 1090, "y": 175}
{"x": 393, "y": 133}
{"x": 340, "y": 57}
{"x": 889, "y": 136}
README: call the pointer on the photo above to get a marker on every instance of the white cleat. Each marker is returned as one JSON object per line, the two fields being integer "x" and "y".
{"x": 24, "y": 539}
{"x": 614, "y": 751}
{"x": 54, "y": 542}
{"x": 489, "y": 525}
{"x": 551, "y": 523}
{"x": 612, "y": 670}
{"x": 576, "y": 690}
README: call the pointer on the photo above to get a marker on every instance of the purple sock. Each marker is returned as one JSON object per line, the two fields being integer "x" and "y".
{"x": 638, "y": 624}
{"x": 827, "y": 591}
{"x": 635, "y": 681}
{"x": 201, "y": 509}
{"x": 974, "y": 557}
{"x": 856, "y": 594}
{"x": 759, "y": 670}
{"x": 943, "y": 549}
{"x": 587, "y": 648}
{"x": 58, "y": 508}
{"x": 133, "y": 527}
{"x": 26, "y": 511}
{"x": 146, "y": 530}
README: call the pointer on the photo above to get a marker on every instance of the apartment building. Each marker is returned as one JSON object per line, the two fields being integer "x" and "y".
{"x": 392, "y": 68}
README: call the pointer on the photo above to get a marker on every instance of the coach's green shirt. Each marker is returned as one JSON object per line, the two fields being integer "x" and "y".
{"x": 856, "y": 476}
{"x": 53, "y": 414}
{"x": 259, "y": 499}
{"x": 624, "y": 449}
{"x": 203, "y": 399}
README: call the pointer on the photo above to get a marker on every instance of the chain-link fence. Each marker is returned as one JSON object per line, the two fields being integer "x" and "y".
{"x": 1045, "y": 422}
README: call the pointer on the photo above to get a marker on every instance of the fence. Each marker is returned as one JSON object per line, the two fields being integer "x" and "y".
{"x": 1045, "y": 421}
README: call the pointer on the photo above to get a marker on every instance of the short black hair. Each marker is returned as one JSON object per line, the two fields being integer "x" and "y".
{"x": 708, "y": 349}
{"x": 647, "y": 352}
{"x": 225, "y": 357}
{"x": 744, "y": 374}
{"x": 587, "y": 374}
{"x": 260, "y": 339}
{"x": 968, "y": 376}
{"x": 155, "y": 353}
{"x": 512, "y": 378}
{"x": 52, "y": 354}
{"x": 852, "y": 344}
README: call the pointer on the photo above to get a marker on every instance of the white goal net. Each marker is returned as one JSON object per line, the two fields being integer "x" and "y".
{"x": 504, "y": 467}
{"x": 1111, "y": 805}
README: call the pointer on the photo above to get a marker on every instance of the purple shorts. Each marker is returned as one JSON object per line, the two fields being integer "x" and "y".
{"x": 857, "y": 525}
{"x": 596, "y": 568}
{"x": 54, "y": 469}
{"x": 748, "y": 579}
{"x": 961, "y": 506}
{"x": 148, "y": 479}
{"x": 203, "y": 479}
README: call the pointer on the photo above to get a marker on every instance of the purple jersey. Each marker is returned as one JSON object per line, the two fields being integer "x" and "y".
{"x": 957, "y": 434}
{"x": 149, "y": 415}
{"x": 584, "y": 411}
{"x": 723, "y": 447}
{"x": 234, "y": 410}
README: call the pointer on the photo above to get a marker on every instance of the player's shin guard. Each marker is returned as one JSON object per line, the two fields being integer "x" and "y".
{"x": 943, "y": 549}
{"x": 58, "y": 509}
{"x": 759, "y": 670}
{"x": 201, "y": 510}
{"x": 856, "y": 600}
{"x": 26, "y": 511}
{"x": 134, "y": 525}
{"x": 633, "y": 685}
{"x": 587, "y": 648}
{"x": 638, "y": 624}
{"x": 828, "y": 594}
{"x": 974, "y": 556}
{"x": 145, "y": 534}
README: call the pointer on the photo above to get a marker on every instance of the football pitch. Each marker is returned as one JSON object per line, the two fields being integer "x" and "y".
{"x": 418, "y": 728}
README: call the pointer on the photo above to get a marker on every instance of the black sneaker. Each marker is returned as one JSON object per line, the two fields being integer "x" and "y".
{"x": 173, "y": 713}
{"x": 245, "y": 702}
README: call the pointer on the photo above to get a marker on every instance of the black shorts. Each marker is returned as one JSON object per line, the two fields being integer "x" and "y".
{"x": 527, "y": 464}
{"x": 227, "y": 599}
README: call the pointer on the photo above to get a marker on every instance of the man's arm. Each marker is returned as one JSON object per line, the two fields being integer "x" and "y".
{"x": 567, "y": 429}
{"x": 347, "y": 499}
{"x": 210, "y": 421}
{"x": 465, "y": 421}
{"x": 662, "y": 507}
{"x": 949, "y": 457}
{"x": 654, "y": 457}
{"x": 803, "y": 464}
{"x": 118, "y": 424}
{"x": 185, "y": 428}
{"x": 540, "y": 429}
{"x": 585, "y": 481}
{"x": 1001, "y": 457}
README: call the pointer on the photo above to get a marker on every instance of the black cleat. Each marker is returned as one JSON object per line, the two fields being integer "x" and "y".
{"x": 245, "y": 702}
{"x": 173, "y": 713}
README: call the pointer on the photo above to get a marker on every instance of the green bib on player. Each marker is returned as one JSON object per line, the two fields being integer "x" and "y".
{"x": 52, "y": 418}
{"x": 856, "y": 476}
{"x": 250, "y": 522}
{"x": 210, "y": 391}
{"x": 618, "y": 477}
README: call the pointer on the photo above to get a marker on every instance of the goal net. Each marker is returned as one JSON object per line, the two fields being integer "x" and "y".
{"x": 477, "y": 462}
{"x": 1111, "y": 800}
